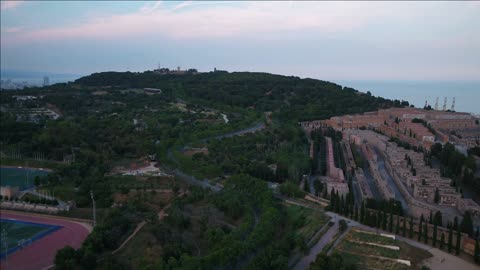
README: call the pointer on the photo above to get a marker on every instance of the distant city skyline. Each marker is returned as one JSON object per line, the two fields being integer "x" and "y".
{"x": 324, "y": 40}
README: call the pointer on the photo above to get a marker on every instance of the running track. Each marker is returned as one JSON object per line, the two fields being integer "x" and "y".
{"x": 41, "y": 253}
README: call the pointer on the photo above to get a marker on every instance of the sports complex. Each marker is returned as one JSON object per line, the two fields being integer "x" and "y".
{"x": 30, "y": 241}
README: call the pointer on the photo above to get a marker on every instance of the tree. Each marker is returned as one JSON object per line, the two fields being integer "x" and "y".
{"x": 362, "y": 213}
{"x": 476, "y": 255}
{"x": 342, "y": 225}
{"x": 438, "y": 218}
{"x": 434, "y": 236}
{"x": 378, "y": 219}
{"x": 450, "y": 239}
{"x": 384, "y": 220}
{"x": 397, "y": 227}
{"x": 355, "y": 216}
{"x": 65, "y": 258}
{"x": 37, "y": 181}
{"x": 404, "y": 229}
{"x": 306, "y": 186}
{"x": 442, "y": 241}
{"x": 420, "y": 228}
{"x": 467, "y": 223}
{"x": 390, "y": 223}
{"x": 436, "y": 198}
{"x": 425, "y": 233}
{"x": 410, "y": 230}
{"x": 457, "y": 246}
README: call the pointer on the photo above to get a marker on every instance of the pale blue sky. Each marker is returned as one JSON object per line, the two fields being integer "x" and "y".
{"x": 325, "y": 40}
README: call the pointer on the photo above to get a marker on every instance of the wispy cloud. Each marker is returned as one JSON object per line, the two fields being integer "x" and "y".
{"x": 4, "y": 5}
{"x": 12, "y": 29}
{"x": 218, "y": 21}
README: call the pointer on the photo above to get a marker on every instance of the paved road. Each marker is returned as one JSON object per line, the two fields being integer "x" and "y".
{"x": 254, "y": 128}
{"x": 205, "y": 182}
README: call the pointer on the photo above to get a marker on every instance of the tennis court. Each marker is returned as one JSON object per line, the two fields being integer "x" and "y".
{"x": 22, "y": 177}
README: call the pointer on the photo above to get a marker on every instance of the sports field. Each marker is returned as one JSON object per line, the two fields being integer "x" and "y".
{"x": 22, "y": 177}
{"x": 50, "y": 234}
{"x": 21, "y": 234}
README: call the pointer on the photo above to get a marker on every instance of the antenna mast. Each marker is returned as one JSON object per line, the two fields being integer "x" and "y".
{"x": 445, "y": 104}
{"x": 436, "y": 104}
{"x": 453, "y": 105}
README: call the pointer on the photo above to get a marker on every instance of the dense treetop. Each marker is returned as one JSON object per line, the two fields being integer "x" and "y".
{"x": 291, "y": 98}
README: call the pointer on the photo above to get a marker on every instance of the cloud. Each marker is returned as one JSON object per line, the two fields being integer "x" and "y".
{"x": 12, "y": 29}
{"x": 218, "y": 20}
{"x": 4, "y": 5}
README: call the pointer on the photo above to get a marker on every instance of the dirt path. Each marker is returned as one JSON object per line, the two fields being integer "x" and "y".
{"x": 139, "y": 226}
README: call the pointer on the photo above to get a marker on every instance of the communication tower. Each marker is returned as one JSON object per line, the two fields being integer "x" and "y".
{"x": 453, "y": 105}
{"x": 436, "y": 104}
{"x": 46, "y": 81}
{"x": 445, "y": 104}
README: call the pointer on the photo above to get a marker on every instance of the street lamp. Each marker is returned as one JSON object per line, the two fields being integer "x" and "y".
{"x": 94, "y": 210}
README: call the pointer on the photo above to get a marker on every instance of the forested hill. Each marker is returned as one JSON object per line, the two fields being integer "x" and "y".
{"x": 289, "y": 97}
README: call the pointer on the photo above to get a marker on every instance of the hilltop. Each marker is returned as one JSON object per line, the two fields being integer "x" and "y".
{"x": 290, "y": 97}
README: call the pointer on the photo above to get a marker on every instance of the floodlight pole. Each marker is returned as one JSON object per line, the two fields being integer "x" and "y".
{"x": 94, "y": 210}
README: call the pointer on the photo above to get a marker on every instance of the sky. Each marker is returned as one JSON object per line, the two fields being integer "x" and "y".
{"x": 394, "y": 40}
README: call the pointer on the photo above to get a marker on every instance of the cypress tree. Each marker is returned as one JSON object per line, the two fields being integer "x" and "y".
{"x": 397, "y": 227}
{"x": 404, "y": 230}
{"x": 372, "y": 219}
{"x": 434, "y": 236}
{"x": 362, "y": 213}
{"x": 455, "y": 223}
{"x": 379, "y": 216}
{"x": 438, "y": 218}
{"x": 476, "y": 255}
{"x": 420, "y": 229}
{"x": 384, "y": 221}
{"x": 410, "y": 230}
{"x": 425, "y": 233}
{"x": 356, "y": 213}
{"x": 390, "y": 223}
{"x": 450, "y": 239}
{"x": 337, "y": 203}
{"x": 430, "y": 218}
{"x": 442, "y": 241}
{"x": 457, "y": 247}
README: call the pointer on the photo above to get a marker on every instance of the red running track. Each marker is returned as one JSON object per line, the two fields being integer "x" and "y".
{"x": 41, "y": 253}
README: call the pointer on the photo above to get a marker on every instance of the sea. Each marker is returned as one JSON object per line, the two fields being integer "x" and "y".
{"x": 466, "y": 93}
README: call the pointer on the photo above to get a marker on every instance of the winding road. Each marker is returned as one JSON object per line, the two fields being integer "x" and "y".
{"x": 205, "y": 183}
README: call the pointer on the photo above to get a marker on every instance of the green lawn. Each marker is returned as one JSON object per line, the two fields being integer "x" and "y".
{"x": 306, "y": 220}
{"x": 372, "y": 238}
{"x": 359, "y": 254}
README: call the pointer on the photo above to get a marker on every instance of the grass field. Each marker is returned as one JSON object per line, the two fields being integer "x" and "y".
{"x": 18, "y": 231}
